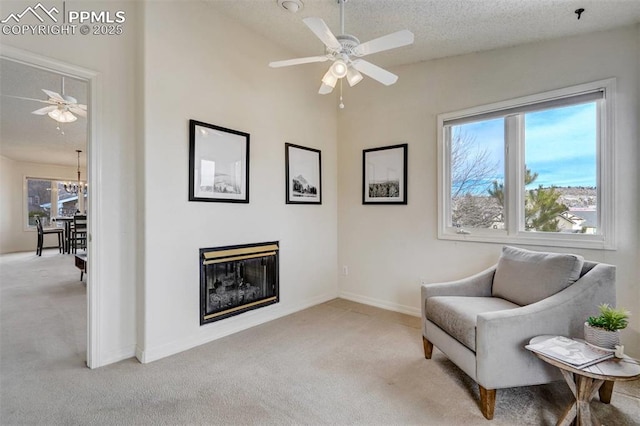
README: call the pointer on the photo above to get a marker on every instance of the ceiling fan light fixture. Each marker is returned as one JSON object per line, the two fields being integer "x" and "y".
{"x": 330, "y": 79}
{"x": 55, "y": 114}
{"x": 62, "y": 116}
{"x": 339, "y": 68}
{"x": 324, "y": 89}
{"x": 353, "y": 76}
{"x": 67, "y": 117}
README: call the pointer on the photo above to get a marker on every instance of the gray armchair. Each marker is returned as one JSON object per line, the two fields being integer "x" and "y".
{"x": 483, "y": 322}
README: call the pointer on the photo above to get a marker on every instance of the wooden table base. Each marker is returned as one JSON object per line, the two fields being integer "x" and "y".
{"x": 585, "y": 382}
{"x": 584, "y": 389}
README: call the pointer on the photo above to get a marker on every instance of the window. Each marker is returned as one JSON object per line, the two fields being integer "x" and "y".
{"x": 39, "y": 195}
{"x": 533, "y": 170}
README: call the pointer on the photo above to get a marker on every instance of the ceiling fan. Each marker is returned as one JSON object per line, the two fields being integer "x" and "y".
{"x": 61, "y": 107}
{"x": 345, "y": 52}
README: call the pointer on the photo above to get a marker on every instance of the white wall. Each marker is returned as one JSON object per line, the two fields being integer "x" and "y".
{"x": 388, "y": 249}
{"x": 200, "y": 65}
{"x": 13, "y": 235}
{"x": 114, "y": 58}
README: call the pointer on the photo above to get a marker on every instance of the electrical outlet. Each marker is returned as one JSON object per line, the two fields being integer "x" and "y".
{"x": 423, "y": 281}
{"x": 345, "y": 270}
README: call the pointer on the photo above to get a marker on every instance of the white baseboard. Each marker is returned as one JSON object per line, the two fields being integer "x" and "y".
{"x": 117, "y": 356}
{"x": 227, "y": 327}
{"x": 139, "y": 353}
{"x": 384, "y": 304}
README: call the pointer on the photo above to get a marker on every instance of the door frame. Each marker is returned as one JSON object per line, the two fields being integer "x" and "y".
{"x": 94, "y": 171}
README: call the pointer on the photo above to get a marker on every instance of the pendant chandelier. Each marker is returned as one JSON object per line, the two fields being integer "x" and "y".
{"x": 79, "y": 187}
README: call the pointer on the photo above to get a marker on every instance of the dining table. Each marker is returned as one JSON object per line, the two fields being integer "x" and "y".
{"x": 67, "y": 221}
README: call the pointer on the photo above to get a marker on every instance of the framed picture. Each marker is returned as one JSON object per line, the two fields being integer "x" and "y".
{"x": 384, "y": 175}
{"x": 218, "y": 164}
{"x": 303, "y": 171}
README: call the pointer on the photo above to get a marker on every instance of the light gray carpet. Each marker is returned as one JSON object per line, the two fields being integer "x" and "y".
{"x": 337, "y": 363}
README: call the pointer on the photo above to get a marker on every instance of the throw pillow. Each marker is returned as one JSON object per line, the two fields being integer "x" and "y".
{"x": 525, "y": 277}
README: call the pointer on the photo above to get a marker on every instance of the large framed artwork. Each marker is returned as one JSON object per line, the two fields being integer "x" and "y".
{"x": 303, "y": 171}
{"x": 384, "y": 175}
{"x": 218, "y": 164}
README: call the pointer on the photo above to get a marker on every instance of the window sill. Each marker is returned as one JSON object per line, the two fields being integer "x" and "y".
{"x": 596, "y": 242}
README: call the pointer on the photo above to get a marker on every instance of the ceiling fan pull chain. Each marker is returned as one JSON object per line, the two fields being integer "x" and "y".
{"x": 341, "y": 104}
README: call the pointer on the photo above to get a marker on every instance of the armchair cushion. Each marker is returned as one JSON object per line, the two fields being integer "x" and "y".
{"x": 458, "y": 315}
{"x": 525, "y": 277}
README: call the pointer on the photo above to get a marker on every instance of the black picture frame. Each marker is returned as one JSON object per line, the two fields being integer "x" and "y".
{"x": 218, "y": 164}
{"x": 384, "y": 175}
{"x": 303, "y": 174}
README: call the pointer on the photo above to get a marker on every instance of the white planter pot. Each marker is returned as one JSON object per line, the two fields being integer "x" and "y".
{"x": 601, "y": 337}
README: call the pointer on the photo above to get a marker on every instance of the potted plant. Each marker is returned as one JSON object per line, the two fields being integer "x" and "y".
{"x": 604, "y": 330}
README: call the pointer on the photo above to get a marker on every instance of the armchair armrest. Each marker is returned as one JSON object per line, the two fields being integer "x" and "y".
{"x": 477, "y": 285}
{"x": 502, "y": 360}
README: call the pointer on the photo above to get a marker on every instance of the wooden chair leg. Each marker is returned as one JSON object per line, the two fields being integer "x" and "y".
{"x": 487, "y": 402}
{"x": 40, "y": 244}
{"x": 428, "y": 347}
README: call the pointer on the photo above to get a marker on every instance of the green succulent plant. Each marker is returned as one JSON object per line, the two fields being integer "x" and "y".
{"x": 610, "y": 318}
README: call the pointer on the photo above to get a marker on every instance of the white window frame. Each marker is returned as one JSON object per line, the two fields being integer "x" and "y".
{"x": 514, "y": 173}
{"x": 25, "y": 196}
{"x": 54, "y": 196}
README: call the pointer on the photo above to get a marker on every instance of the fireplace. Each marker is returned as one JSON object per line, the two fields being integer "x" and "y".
{"x": 237, "y": 279}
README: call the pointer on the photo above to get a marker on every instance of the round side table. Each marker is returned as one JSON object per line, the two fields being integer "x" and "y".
{"x": 585, "y": 382}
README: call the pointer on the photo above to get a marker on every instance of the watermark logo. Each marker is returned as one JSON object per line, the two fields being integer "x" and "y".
{"x": 57, "y": 20}
{"x": 33, "y": 11}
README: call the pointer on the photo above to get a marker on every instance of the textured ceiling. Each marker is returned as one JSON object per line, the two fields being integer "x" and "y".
{"x": 441, "y": 27}
{"x": 34, "y": 138}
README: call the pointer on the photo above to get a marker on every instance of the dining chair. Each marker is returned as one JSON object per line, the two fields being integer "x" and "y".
{"x": 79, "y": 233}
{"x": 42, "y": 232}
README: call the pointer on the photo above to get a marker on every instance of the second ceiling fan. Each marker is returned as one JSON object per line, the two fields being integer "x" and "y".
{"x": 345, "y": 52}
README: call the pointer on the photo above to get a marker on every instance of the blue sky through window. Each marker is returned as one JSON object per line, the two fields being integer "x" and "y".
{"x": 482, "y": 140}
{"x": 560, "y": 145}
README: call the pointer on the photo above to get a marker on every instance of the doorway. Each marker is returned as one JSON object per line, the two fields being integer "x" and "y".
{"x": 90, "y": 79}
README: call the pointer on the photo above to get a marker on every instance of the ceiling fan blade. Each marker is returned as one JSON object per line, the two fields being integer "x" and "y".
{"x": 390, "y": 41}
{"x": 54, "y": 95}
{"x": 70, "y": 99}
{"x": 298, "y": 61}
{"x": 322, "y": 31}
{"x": 29, "y": 99}
{"x": 45, "y": 110}
{"x": 78, "y": 111}
{"x": 375, "y": 72}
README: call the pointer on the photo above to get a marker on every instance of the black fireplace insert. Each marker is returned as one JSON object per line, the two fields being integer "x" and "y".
{"x": 237, "y": 279}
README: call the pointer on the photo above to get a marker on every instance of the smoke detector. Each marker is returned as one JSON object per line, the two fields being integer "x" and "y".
{"x": 292, "y": 6}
